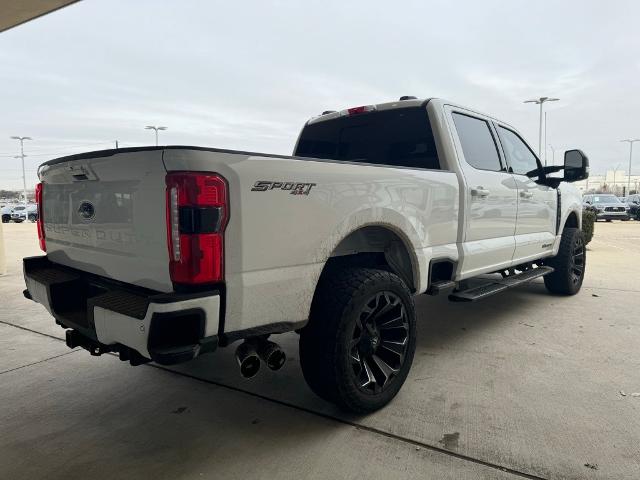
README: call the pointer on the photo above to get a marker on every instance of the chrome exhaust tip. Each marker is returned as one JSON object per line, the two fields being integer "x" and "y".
{"x": 272, "y": 355}
{"x": 248, "y": 360}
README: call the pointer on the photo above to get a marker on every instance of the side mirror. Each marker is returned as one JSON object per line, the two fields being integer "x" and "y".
{"x": 576, "y": 166}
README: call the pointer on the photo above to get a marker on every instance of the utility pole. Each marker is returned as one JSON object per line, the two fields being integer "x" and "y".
{"x": 540, "y": 101}
{"x": 116, "y": 144}
{"x": 21, "y": 156}
{"x": 630, "y": 142}
{"x": 545, "y": 138}
{"x": 153, "y": 127}
{"x": 553, "y": 155}
{"x": 614, "y": 178}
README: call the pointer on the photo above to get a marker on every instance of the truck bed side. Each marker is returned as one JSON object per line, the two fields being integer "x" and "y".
{"x": 277, "y": 242}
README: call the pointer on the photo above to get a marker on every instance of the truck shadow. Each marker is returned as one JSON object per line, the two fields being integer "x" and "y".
{"x": 468, "y": 360}
{"x": 444, "y": 329}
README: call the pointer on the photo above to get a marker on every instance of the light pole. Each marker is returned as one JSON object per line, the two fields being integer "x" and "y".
{"x": 553, "y": 155}
{"x": 545, "y": 138}
{"x": 21, "y": 156}
{"x": 152, "y": 127}
{"x": 614, "y": 178}
{"x": 540, "y": 101}
{"x": 630, "y": 141}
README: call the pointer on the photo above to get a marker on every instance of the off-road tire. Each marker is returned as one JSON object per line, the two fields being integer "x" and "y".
{"x": 340, "y": 307}
{"x": 569, "y": 264}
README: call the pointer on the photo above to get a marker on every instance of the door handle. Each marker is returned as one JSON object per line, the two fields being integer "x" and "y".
{"x": 526, "y": 194}
{"x": 480, "y": 192}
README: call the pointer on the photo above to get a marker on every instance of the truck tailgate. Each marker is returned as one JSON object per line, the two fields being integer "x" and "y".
{"x": 107, "y": 215}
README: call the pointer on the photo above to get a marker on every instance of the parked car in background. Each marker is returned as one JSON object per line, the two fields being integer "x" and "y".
{"x": 19, "y": 213}
{"x": 633, "y": 202}
{"x": 32, "y": 212}
{"x": 22, "y": 213}
{"x": 607, "y": 206}
{"x": 6, "y": 212}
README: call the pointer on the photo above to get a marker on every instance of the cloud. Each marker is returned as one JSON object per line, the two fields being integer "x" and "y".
{"x": 247, "y": 75}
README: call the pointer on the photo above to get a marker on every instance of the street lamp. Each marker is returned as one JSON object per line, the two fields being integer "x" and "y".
{"x": 553, "y": 154}
{"x": 152, "y": 127}
{"x": 614, "y": 178}
{"x": 630, "y": 154}
{"x": 540, "y": 101}
{"x": 21, "y": 156}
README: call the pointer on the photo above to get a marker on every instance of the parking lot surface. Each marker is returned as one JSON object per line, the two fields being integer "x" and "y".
{"x": 520, "y": 385}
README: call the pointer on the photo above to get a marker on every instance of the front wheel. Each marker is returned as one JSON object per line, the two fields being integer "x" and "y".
{"x": 357, "y": 349}
{"x": 6, "y": 218}
{"x": 569, "y": 264}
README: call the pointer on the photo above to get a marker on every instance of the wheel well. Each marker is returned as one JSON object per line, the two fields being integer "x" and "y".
{"x": 375, "y": 246}
{"x": 572, "y": 221}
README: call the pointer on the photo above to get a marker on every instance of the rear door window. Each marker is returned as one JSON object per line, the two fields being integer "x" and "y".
{"x": 399, "y": 137}
{"x": 478, "y": 145}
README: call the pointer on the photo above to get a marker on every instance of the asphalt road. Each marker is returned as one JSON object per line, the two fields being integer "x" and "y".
{"x": 520, "y": 385}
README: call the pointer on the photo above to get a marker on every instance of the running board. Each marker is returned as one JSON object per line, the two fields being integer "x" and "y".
{"x": 496, "y": 286}
{"x": 438, "y": 287}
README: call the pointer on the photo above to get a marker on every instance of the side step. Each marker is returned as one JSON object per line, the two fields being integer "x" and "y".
{"x": 495, "y": 286}
{"x": 438, "y": 287}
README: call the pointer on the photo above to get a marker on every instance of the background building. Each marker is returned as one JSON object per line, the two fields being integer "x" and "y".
{"x": 613, "y": 181}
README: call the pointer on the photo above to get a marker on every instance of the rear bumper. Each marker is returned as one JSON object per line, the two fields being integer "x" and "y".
{"x": 107, "y": 316}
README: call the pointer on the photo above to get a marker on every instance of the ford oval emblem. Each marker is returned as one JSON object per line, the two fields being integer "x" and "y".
{"x": 87, "y": 211}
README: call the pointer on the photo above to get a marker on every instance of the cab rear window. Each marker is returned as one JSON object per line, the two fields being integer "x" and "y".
{"x": 399, "y": 137}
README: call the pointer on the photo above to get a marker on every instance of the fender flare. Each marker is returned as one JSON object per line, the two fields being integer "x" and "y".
{"x": 385, "y": 218}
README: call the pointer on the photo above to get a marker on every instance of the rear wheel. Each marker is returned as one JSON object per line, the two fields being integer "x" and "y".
{"x": 569, "y": 264}
{"x": 358, "y": 346}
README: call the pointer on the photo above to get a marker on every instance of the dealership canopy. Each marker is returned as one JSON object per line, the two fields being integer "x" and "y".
{"x": 16, "y": 13}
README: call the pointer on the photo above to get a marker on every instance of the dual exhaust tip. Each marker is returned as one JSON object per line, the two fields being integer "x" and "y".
{"x": 251, "y": 353}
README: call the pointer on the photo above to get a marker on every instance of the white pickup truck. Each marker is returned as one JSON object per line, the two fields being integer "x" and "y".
{"x": 165, "y": 253}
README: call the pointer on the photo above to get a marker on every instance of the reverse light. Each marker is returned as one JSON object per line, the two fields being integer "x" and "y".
{"x": 40, "y": 221}
{"x": 197, "y": 213}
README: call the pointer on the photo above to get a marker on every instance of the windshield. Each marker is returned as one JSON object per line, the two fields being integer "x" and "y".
{"x": 605, "y": 199}
{"x": 18, "y": 208}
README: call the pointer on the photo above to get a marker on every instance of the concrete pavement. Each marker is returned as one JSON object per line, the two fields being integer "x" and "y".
{"x": 523, "y": 384}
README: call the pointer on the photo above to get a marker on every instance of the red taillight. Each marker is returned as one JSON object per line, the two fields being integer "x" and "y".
{"x": 197, "y": 213}
{"x": 40, "y": 221}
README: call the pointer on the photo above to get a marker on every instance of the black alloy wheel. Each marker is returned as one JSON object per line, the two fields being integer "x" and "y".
{"x": 379, "y": 342}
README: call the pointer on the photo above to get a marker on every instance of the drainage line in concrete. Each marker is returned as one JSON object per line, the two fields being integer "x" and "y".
{"x": 374, "y": 430}
{"x": 39, "y": 361}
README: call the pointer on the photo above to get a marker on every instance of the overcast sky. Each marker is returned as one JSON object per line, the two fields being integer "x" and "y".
{"x": 247, "y": 74}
